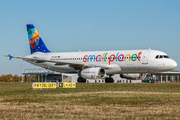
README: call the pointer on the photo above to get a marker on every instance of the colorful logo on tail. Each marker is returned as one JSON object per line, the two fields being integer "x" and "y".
{"x": 35, "y": 41}
{"x": 33, "y": 38}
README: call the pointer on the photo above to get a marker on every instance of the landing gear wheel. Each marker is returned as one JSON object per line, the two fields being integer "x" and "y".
{"x": 109, "y": 80}
{"x": 151, "y": 81}
{"x": 112, "y": 80}
{"x": 81, "y": 80}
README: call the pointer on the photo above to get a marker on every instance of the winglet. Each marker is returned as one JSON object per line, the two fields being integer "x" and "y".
{"x": 10, "y": 57}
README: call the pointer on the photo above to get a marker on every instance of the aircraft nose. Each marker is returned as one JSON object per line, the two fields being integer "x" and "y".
{"x": 172, "y": 64}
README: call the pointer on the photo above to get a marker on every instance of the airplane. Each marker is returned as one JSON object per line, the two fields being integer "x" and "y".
{"x": 95, "y": 64}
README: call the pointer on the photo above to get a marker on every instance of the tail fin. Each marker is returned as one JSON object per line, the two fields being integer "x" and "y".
{"x": 35, "y": 41}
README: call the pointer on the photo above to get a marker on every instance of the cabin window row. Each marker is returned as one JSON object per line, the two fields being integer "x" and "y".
{"x": 97, "y": 58}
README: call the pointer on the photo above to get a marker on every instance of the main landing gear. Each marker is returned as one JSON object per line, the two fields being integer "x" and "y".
{"x": 109, "y": 79}
{"x": 81, "y": 80}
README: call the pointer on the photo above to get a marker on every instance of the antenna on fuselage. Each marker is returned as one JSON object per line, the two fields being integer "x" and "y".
{"x": 79, "y": 50}
{"x": 149, "y": 48}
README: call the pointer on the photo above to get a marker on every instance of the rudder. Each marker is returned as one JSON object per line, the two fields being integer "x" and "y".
{"x": 35, "y": 41}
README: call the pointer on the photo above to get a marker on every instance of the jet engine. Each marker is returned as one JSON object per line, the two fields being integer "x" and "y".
{"x": 92, "y": 73}
{"x": 132, "y": 76}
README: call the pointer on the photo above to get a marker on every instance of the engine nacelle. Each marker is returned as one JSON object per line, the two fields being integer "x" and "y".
{"x": 92, "y": 73}
{"x": 132, "y": 76}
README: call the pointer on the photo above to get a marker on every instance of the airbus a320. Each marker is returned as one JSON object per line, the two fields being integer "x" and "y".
{"x": 95, "y": 64}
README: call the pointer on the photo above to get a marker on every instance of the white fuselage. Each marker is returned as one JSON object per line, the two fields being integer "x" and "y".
{"x": 114, "y": 62}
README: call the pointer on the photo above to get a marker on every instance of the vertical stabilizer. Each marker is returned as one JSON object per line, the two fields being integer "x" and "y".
{"x": 35, "y": 41}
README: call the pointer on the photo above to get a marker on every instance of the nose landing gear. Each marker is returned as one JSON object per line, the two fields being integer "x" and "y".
{"x": 148, "y": 78}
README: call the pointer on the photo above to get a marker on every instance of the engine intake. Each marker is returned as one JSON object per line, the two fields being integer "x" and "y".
{"x": 92, "y": 73}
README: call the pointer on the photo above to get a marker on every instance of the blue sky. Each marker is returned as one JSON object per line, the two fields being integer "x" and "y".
{"x": 70, "y": 25}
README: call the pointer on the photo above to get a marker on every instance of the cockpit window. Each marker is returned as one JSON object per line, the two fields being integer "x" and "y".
{"x": 161, "y": 56}
{"x": 165, "y": 56}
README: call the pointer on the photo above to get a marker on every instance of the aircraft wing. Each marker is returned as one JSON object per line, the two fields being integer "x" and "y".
{"x": 76, "y": 66}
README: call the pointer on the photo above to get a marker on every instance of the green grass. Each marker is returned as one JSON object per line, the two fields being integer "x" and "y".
{"x": 91, "y": 101}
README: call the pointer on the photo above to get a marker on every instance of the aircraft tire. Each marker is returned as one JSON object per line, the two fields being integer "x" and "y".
{"x": 81, "y": 80}
{"x": 109, "y": 80}
{"x": 151, "y": 81}
{"x": 112, "y": 80}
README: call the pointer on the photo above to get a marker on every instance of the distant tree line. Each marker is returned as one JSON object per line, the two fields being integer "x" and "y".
{"x": 16, "y": 78}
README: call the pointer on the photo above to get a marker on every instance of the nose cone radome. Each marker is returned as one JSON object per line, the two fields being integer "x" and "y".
{"x": 172, "y": 64}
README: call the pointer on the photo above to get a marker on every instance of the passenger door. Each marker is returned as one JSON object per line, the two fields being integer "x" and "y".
{"x": 145, "y": 58}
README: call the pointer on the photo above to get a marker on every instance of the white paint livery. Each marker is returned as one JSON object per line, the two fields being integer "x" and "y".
{"x": 92, "y": 65}
{"x": 71, "y": 62}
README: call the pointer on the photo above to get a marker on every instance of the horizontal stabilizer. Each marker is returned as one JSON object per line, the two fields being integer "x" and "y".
{"x": 10, "y": 57}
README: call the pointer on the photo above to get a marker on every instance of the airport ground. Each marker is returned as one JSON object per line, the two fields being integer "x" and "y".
{"x": 142, "y": 101}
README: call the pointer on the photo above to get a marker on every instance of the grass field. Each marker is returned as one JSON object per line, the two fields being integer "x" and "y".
{"x": 18, "y": 101}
